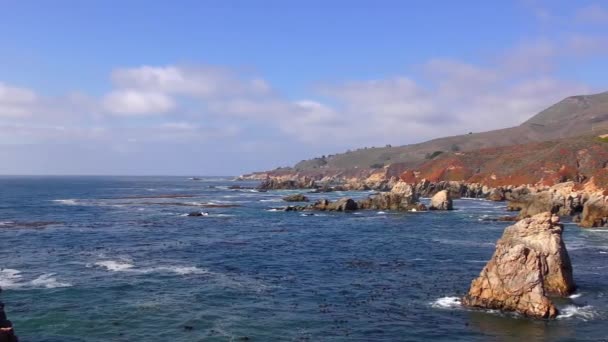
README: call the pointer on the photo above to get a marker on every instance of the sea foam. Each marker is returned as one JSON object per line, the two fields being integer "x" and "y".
{"x": 447, "y": 303}
{"x": 48, "y": 281}
{"x": 584, "y": 313}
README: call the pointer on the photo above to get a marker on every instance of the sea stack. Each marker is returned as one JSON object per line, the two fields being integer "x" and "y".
{"x": 529, "y": 264}
{"x": 442, "y": 201}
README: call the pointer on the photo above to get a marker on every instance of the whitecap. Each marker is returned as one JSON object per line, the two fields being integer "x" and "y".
{"x": 271, "y": 200}
{"x": 584, "y": 313}
{"x": 273, "y": 209}
{"x": 381, "y": 213}
{"x": 48, "y": 281}
{"x": 116, "y": 266}
{"x": 447, "y": 303}
{"x": 181, "y": 270}
{"x": 123, "y": 266}
{"x": 575, "y": 295}
{"x": 10, "y": 278}
{"x": 68, "y": 201}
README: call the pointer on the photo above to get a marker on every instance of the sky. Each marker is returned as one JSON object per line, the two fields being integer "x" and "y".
{"x": 229, "y": 87}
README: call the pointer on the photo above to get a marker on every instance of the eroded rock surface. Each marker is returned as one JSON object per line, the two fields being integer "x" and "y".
{"x": 595, "y": 212}
{"x": 442, "y": 201}
{"x": 530, "y": 264}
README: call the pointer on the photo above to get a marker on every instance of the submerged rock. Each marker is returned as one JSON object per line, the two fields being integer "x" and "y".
{"x": 530, "y": 263}
{"x": 197, "y": 214}
{"x": 295, "y": 198}
{"x": 441, "y": 201}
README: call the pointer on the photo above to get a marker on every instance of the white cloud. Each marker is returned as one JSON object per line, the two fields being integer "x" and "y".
{"x": 137, "y": 102}
{"x": 16, "y": 101}
{"x": 203, "y": 82}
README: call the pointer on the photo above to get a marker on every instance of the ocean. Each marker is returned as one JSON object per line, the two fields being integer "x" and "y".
{"x": 117, "y": 259}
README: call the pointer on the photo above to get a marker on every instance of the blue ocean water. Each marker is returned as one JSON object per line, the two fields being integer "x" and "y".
{"x": 116, "y": 259}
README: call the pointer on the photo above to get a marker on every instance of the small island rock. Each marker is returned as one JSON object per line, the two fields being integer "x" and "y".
{"x": 529, "y": 264}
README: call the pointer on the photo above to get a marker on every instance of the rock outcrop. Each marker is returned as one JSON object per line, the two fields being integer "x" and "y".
{"x": 530, "y": 263}
{"x": 560, "y": 199}
{"x": 295, "y": 198}
{"x": 402, "y": 196}
{"x": 595, "y": 212}
{"x": 7, "y": 333}
{"x": 287, "y": 184}
{"x": 441, "y": 201}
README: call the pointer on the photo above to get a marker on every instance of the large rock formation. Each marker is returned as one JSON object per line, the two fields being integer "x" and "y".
{"x": 560, "y": 199}
{"x": 402, "y": 196}
{"x": 595, "y": 212}
{"x": 7, "y": 334}
{"x": 441, "y": 201}
{"x": 530, "y": 263}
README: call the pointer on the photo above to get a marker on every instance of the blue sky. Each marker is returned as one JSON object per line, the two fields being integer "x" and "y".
{"x": 226, "y": 87}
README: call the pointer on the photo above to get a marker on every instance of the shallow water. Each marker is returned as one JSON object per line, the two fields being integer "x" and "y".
{"x": 111, "y": 259}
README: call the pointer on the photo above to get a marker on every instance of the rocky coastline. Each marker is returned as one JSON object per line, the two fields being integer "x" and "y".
{"x": 585, "y": 203}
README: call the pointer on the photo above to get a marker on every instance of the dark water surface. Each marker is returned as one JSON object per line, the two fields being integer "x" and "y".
{"x": 81, "y": 261}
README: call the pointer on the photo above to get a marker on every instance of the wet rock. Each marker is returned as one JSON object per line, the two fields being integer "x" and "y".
{"x": 197, "y": 214}
{"x": 441, "y": 201}
{"x": 344, "y": 204}
{"x": 7, "y": 333}
{"x": 529, "y": 264}
{"x": 296, "y": 198}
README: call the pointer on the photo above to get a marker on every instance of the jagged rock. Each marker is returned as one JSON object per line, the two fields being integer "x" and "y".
{"x": 295, "y": 198}
{"x": 344, "y": 204}
{"x": 441, "y": 201}
{"x": 320, "y": 205}
{"x": 595, "y": 212}
{"x": 7, "y": 333}
{"x": 559, "y": 200}
{"x": 496, "y": 195}
{"x": 529, "y": 264}
{"x": 289, "y": 184}
{"x": 402, "y": 196}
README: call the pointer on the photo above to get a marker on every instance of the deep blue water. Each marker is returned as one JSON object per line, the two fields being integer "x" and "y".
{"x": 113, "y": 268}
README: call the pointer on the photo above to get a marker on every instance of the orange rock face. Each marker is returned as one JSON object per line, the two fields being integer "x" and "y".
{"x": 529, "y": 264}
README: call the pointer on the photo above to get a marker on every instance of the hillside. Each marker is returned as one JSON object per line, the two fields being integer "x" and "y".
{"x": 573, "y": 116}
{"x": 582, "y": 159}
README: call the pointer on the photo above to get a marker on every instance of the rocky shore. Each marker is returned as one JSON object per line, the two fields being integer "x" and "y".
{"x": 586, "y": 203}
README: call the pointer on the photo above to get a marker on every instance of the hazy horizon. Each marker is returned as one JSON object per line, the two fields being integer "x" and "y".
{"x": 232, "y": 88}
